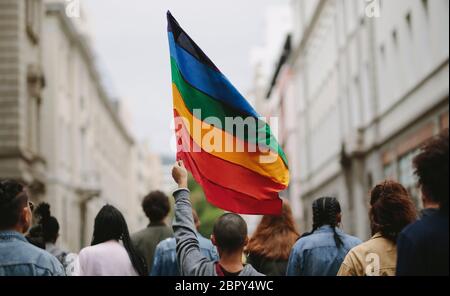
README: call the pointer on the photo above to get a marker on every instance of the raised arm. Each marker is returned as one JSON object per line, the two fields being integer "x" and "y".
{"x": 190, "y": 259}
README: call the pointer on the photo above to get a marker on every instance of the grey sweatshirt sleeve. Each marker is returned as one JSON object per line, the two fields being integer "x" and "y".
{"x": 190, "y": 259}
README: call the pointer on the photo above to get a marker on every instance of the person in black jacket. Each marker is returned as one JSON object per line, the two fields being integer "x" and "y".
{"x": 423, "y": 246}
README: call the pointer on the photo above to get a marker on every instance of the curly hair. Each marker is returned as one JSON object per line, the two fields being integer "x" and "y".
{"x": 13, "y": 198}
{"x": 275, "y": 236}
{"x": 391, "y": 209}
{"x": 431, "y": 168}
{"x": 156, "y": 206}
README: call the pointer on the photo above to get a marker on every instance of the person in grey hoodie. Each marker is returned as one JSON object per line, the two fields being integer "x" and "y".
{"x": 229, "y": 236}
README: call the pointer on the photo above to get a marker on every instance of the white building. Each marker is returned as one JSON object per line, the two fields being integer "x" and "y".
{"x": 360, "y": 85}
{"x": 148, "y": 170}
{"x": 21, "y": 83}
{"x": 67, "y": 140}
{"x": 168, "y": 184}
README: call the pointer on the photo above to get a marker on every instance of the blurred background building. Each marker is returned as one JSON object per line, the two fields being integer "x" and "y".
{"x": 61, "y": 132}
{"x": 357, "y": 86}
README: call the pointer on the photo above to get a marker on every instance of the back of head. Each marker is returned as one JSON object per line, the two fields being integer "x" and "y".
{"x": 111, "y": 225}
{"x": 49, "y": 224}
{"x": 13, "y": 198}
{"x": 230, "y": 233}
{"x": 326, "y": 211}
{"x": 35, "y": 237}
{"x": 156, "y": 206}
{"x": 275, "y": 235}
{"x": 391, "y": 209}
{"x": 431, "y": 168}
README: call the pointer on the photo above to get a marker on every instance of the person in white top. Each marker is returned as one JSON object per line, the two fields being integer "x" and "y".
{"x": 107, "y": 256}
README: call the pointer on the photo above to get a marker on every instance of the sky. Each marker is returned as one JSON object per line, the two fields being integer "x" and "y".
{"x": 130, "y": 38}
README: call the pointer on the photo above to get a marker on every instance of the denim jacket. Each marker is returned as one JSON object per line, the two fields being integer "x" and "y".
{"x": 165, "y": 262}
{"x": 20, "y": 258}
{"x": 317, "y": 254}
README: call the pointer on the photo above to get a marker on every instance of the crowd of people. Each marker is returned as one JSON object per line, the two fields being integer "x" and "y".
{"x": 404, "y": 241}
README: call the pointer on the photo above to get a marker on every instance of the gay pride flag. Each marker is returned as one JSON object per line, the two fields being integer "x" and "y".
{"x": 240, "y": 165}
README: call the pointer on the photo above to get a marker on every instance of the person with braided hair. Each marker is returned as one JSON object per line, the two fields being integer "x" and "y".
{"x": 18, "y": 257}
{"x": 49, "y": 232}
{"x": 321, "y": 251}
{"x": 391, "y": 210}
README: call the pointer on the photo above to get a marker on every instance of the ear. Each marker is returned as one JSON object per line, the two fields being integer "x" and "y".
{"x": 25, "y": 218}
{"x": 213, "y": 240}
{"x": 246, "y": 241}
{"x": 339, "y": 218}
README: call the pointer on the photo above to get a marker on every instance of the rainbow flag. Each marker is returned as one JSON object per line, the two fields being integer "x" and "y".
{"x": 222, "y": 140}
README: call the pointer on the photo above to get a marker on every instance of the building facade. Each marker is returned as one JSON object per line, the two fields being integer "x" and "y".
{"x": 61, "y": 132}
{"x": 149, "y": 176}
{"x": 21, "y": 84}
{"x": 359, "y": 86}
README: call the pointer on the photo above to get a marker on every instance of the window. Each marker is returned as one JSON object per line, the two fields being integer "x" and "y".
{"x": 33, "y": 19}
{"x": 395, "y": 37}
{"x": 425, "y": 6}
{"x": 409, "y": 20}
{"x": 389, "y": 171}
{"x": 35, "y": 84}
{"x": 383, "y": 51}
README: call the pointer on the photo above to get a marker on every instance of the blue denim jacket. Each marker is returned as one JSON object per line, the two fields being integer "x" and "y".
{"x": 317, "y": 254}
{"x": 165, "y": 262}
{"x": 20, "y": 258}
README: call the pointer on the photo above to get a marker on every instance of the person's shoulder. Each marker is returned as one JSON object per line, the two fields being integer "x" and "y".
{"x": 35, "y": 252}
{"x": 204, "y": 242}
{"x": 361, "y": 248}
{"x": 249, "y": 270}
{"x": 139, "y": 234}
{"x": 352, "y": 240}
{"x": 312, "y": 241}
{"x": 168, "y": 243}
{"x": 91, "y": 250}
{"x": 85, "y": 252}
{"x": 417, "y": 229}
{"x": 302, "y": 242}
{"x": 43, "y": 259}
{"x": 426, "y": 228}
{"x": 167, "y": 230}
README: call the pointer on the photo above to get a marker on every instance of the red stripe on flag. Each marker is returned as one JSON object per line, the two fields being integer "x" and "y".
{"x": 230, "y": 200}
{"x": 227, "y": 174}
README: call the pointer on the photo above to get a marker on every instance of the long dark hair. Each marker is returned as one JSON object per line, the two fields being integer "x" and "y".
{"x": 325, "y": 211}
{"x": 111, "y": 225}
{"x": 391, "y": 209}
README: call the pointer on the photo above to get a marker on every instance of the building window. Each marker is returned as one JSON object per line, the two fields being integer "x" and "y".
{"x": 395, "y": 37}
{"x": 408, "y": 19}
{"x": 425, "y": 6}
{"x": 33, "y": 19}
{"x": 389, "y": 171}
{"x": 35, "y": 84}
